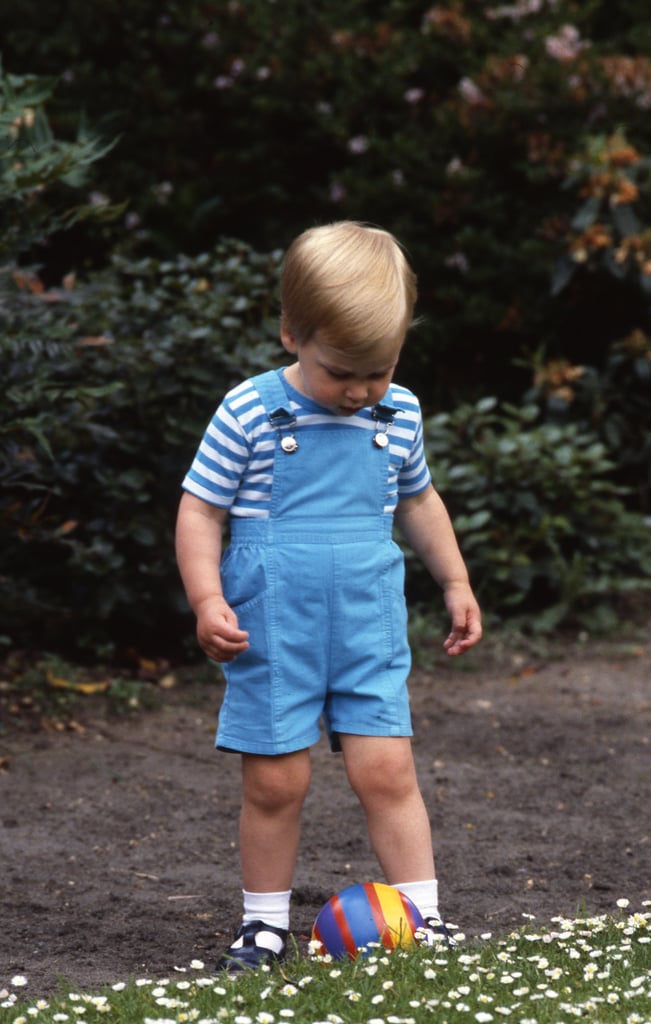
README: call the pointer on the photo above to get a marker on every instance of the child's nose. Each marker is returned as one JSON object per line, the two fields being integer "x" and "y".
{"x": 357, "y": 390}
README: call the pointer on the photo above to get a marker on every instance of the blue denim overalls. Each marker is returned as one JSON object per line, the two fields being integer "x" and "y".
{"x": 319, "y": 586}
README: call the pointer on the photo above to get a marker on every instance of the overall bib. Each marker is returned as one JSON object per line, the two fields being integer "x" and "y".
{"x": 319, "y": 586}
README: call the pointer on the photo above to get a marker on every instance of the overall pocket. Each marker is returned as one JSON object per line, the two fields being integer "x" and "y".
{"x": 244, "y": 579}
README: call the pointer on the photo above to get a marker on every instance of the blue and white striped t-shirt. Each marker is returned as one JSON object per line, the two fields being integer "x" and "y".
{"x": 233, "y": 467}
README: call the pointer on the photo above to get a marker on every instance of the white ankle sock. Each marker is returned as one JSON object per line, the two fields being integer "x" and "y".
{"x": 270, "y": 907}
{"x": 424, "y": 894}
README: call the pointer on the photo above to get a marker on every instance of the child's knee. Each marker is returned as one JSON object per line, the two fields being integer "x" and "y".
{"x": 275, "y": 783}
{"x": 382, "y": 769}
{"x": 385, "y": 787}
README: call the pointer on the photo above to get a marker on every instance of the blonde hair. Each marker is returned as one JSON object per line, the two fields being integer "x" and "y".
{"x": 351, "y": 281}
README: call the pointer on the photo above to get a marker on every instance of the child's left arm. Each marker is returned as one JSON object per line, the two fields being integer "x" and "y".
{"x": 426, "y": 526}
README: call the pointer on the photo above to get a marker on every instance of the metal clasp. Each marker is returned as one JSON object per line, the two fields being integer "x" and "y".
{"x": 384, "y": 416}
{"x": 284, "y": 422}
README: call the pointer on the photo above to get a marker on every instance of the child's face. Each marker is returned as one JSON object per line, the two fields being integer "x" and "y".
{"x": 342, "y": 384}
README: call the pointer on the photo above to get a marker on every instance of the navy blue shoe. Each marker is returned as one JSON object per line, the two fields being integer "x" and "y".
{"x": 435, "y": 933}
{"x": 244, "y": 954}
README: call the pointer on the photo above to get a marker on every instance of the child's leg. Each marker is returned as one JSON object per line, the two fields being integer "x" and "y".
{"x": 382, "y": 774}
{"x": 273, "y": 791}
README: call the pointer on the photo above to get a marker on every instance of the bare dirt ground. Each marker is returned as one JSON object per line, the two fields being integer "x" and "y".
{"x": 118, "y": 834}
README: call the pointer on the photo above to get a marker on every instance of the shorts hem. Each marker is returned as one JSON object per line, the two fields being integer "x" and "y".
{"x": 389, "y": 732}
{"x": 269, "y": 748}
{"x": 334, "y": 735}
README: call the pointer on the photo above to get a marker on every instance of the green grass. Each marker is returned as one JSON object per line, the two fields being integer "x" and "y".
{"x": 594, "y": 969}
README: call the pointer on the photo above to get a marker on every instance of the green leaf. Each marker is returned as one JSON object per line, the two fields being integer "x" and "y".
{"x": 586, "y": 215}
{"x": 626, "y": 221}
{"x": 562, "y": 274}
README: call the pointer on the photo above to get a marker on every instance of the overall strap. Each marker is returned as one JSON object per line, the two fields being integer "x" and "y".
{"x": 270, "y": 387}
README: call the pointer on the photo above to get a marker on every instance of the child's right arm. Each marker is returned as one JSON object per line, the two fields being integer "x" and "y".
{"x": 199, "y": 529}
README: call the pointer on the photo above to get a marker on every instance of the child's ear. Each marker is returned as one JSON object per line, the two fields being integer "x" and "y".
{"x": 288, "y": 340}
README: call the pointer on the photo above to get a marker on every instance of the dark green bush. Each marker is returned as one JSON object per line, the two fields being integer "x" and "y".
{"x": 607, "y": 251}
{"x": 544, "y": 529}
{"x": 613, "y": 400}
{"x": 107, "y": 389}
{"x": 453, "y": 124}
{"x": 40, "y": 175}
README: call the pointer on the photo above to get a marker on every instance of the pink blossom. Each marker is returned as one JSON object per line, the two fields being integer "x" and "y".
{"x": 517, "y": 11}
{"x": 454, "y": 167}
{"x": 566, "y": 45}
{"x": 471, "y": 93}
{"x": 358, "y": 144}
{"x": 458, "y": 261}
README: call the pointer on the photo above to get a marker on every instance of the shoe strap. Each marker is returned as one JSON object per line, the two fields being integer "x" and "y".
{"x": 249, "y": 931}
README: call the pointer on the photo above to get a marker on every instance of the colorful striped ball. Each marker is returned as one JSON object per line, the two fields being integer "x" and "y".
{"x": 367, "y": 913}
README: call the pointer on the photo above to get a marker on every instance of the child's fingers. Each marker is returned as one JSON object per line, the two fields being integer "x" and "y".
{"x": 220, "y": 649}
{"x": 228, "y": 629}
{"x": 465, "y": 635}
{"x": 222, "y": 639}
{"x": 225, "y": 652}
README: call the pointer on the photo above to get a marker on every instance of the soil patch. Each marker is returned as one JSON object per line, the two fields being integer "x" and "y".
{"x": 118, "y": 836}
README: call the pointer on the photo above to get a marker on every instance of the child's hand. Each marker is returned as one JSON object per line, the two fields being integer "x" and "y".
{"x": 218, "y": 632}
{"x": 466, "y": 618}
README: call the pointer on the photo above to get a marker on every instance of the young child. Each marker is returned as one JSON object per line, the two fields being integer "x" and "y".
{"x": 311, "y": 464}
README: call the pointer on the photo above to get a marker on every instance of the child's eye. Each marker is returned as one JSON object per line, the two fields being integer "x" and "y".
{"x": 343, "y": 375}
